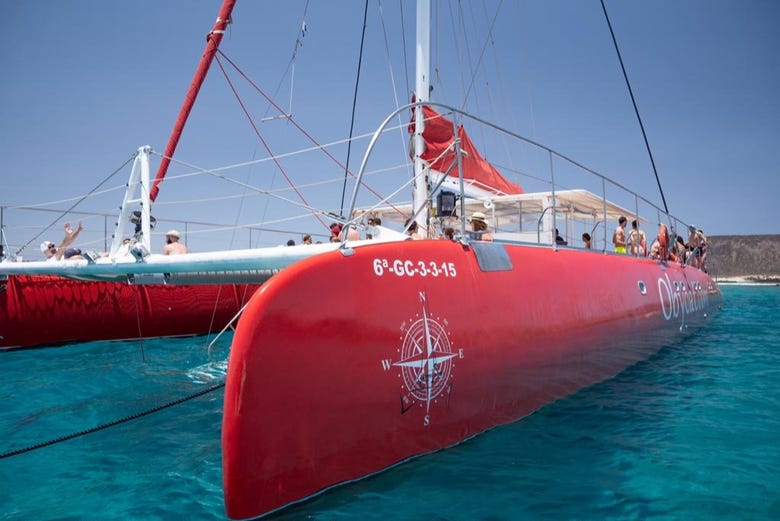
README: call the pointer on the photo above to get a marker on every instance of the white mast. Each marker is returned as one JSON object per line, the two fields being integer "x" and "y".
{"x": 422, "y": 90}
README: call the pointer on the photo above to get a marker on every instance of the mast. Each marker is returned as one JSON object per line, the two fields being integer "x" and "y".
{"x": 422, "y": 90}
{"x": 212, "y": 43}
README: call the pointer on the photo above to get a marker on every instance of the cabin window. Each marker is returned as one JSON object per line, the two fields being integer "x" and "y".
{"x": 491, "y": 256}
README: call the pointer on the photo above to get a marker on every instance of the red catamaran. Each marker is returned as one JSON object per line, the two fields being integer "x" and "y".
{"x": 410, "y": 347}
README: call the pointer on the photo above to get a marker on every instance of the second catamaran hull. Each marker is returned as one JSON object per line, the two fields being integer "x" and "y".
{"x": 38, "y": 310}
{"x": 344, "y": 365}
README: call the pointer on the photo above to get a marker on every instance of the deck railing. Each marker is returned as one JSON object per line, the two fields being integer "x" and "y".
{"x": 547, "y": 171}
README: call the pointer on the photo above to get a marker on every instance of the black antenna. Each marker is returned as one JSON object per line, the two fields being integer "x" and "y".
{"x": 638, "y": 117}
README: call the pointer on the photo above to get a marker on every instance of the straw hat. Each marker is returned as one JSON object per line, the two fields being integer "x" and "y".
{"x": 479, "y": 216}
{"x": 172, "y": 233}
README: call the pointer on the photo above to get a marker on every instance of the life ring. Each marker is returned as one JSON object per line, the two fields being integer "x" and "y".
{"x": 663, "y": 241}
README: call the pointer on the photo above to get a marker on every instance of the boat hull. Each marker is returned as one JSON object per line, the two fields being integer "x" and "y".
{"x": 40, "y": 310}
{"x": 344, "y": 365}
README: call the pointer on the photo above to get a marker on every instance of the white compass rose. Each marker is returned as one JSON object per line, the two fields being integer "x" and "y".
{"x": 426, "y": 361}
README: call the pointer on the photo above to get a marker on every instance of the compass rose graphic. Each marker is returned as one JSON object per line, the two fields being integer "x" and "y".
{"x": 426, "y": 361}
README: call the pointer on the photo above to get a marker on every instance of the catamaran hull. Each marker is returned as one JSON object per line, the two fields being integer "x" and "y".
{"x": 344, "y": 365}
{"x": 37, "y": 310}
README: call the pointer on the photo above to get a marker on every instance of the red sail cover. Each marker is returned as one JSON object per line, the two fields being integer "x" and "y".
{"x": 438, "y": 138}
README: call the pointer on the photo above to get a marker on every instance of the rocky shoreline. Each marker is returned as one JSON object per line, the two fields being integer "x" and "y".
{"x": 744, "y": 259}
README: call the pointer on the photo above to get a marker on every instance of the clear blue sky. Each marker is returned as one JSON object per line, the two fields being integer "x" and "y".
{"x": 87, "y": 82}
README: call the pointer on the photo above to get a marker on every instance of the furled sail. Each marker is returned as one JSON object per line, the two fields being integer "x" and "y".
{"x": 480, "y": 177}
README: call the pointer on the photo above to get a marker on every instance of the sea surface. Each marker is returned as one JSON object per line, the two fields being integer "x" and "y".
{"x": 691, "y": 433}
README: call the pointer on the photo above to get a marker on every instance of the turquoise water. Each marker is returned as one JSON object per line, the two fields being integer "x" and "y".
{"x": 691, "y": 433}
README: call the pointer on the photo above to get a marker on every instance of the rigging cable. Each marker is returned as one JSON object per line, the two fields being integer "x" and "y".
{"x": 290, "y": 68}
{"x": 488, "y": 41}
{"x": 636, "y": 110}
{"x": 292, "y": 120}
{"x": 78, "y": 202}
{"x": 404, "y": 141}
{"x": 262, "y": 140}
{"x": 354, "y": 104}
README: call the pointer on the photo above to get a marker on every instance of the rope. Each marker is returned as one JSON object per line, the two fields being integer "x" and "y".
{"x": 114, "y": 423}
{"x": 636, "y": 110}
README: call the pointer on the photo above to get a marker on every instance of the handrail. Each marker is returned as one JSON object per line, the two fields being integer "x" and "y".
{"x": 99, "y": 237}
{"x": 539, "y": 223}
{"x": 448, "y": 109}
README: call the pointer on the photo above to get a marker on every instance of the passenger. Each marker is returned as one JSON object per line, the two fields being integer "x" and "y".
{"x": 691, "y": 237}
{"x": 637, "y": 240}
{"x": 411, "y": 230}
{"x": 124, "y": 249}
{"x": 703, "y": 246}
{"x": 479, "y": 227}
{"x": 172, "y": 244}
{"x": 352, "y": 234}
{"x": 619, "y": 236}
{"x": 680, "y": 251}
{"x": 372, "y": 230}
{"x": 306, "y": 239}
{"x": 586, "y": 240}
{"x": 335, "y": 230}
{"x": 696, "y": 244}
{"x": 559, "y": 240}
{"x": 63, "y": 251}
{"x": 655, "y": 250}
{"x": 290, "y": 242}
{"x": 449, "y": 233}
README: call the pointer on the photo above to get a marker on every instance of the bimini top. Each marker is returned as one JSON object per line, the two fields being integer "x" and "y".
{"x": 507, "y": 211}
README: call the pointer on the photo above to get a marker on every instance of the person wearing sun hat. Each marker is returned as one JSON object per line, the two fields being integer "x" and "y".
{"x": 57, "y": 253}
{"x": 172, "y": 244}
{"x": 49, "y": 249}
{"x": 479, "y": 227}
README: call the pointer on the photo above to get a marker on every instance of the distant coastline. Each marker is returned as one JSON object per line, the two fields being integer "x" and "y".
{"x": 744, "y": 259}
{"x": 749, "y": 281}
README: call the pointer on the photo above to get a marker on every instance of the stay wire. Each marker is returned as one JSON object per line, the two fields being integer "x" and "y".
{"x": 354, "y": 104}
{"x": 636, "y": 110}
{"x": 261, "y": 139}
{"x": 292, "y": 120}
{"x": 114, "y": 423}
{"x": 78, "y": 202}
